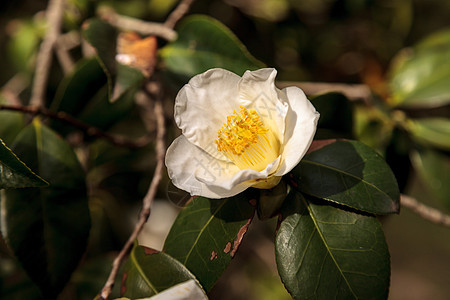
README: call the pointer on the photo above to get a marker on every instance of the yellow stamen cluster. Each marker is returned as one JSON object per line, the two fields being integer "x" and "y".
{"x": 246, "y": 141}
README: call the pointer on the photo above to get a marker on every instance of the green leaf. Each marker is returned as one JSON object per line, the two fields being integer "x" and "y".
{"x": 23, "y": 42}
{"x": 204, "y": 43}
{"x": 336, "y": 116}
{"x": 373, "y": 127}
{"x": 14, "y": 173}
{"x": 420, "y": 76}
{"x": 103, "y": 37}
{"x": 148, "y": 272}
{"x": 348, "y": 173}
{"x": 76, "y": 90}
{"x": 433, "y": 168}
{"x": 47, "y": 228}
{"x": 121, "y": 78}
{"x": 111, "y": 113}
{"x": 84, "y": 95}
{"x": 12, "y": 123}
{"x": 207, "y": 234}
{"x": 431, "y": 131}
{"x": 324, "y": 252}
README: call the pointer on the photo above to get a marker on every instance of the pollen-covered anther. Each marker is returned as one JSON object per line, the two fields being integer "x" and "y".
{"x": 246, "y": 141}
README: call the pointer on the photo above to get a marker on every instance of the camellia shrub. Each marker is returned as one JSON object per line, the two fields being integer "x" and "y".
{"x": 248, "y": 146}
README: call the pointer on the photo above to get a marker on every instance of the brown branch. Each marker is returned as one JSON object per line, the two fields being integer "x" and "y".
{"x": 428, "y": 213}
{"x": 148, "y": 199}
{"x": 351, "y": 91}
{"x": 14, "y": 87}
{"x": 178, "y": 13}
{"x": 44, "y": 58}
{"x": 87, "y": 129}
{"x": 139, "y": 26}
{"x": 63, "y": 44}
{"x": 65, "y": 60}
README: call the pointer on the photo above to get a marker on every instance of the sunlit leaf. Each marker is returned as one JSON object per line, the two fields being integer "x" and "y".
{"x": 324, "y": 252}
{"x": 420, "y": 76}
{"x": 47, "y": 228}
{"x": 24, "y": 43}
{"x": 434, "y": 169}
{"x": 431, "y": 131}
{"x": 204, "y": 43}
{"x": 349, "y": 173}
{"x": 148, "y": 272}
{"x": 207, "y": 234}
{"x": 14, "y": 173}
{"x": 373, "y": 127}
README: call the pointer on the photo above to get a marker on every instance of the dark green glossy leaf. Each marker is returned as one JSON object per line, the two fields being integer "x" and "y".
{"x": 75, "y": 91}
{"x": 47, "y": 228}
{"x": 85, "y": 96}
{"x": 127, "y": 78}
{"x": 148, "y": 272}
{"x": 324, "y": 252}
{"x": 121, "y": 78}
{"x": 348, "y": 173}
{"x": 434, "y": 169}
{"x": 14, "y": 173}
{"x": 204, "y": 43}
{"x": 431, "y": 131}
{"x": 420, "y": 76}
{"x": 103, "y": 37}
{"x": 207, "y": 234}
{"x": 336, "y": 116}
{"x": 103, "y": 114}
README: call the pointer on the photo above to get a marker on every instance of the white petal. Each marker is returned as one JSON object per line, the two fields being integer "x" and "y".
{"x": 257, "y": 90}
{"x": 242, "y": 176}
{"x": 188, "y": 290}
{"x": 301, "y": 123}
{"x": 195, "y": 171}
{"x": 202, "y": 106}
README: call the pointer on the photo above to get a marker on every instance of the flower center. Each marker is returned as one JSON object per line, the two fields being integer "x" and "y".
{"x": 246, "y": 141}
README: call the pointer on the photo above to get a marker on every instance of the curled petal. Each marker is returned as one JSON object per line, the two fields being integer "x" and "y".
{"x": 202, "y": 106}
{"x": 301, "y": 123}
{"x": 257, "y": 90}
{"x": 195, "y": 171}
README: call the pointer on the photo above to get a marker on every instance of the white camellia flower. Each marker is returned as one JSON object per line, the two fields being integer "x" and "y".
{"x": 238, "y": 132}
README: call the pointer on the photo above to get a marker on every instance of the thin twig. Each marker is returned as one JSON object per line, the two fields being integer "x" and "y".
{"x": 146, "y": 202}
{"x": 16, "y": 85}
{"x": 44, "y": 58}
{"x": 65, "y": 60}
{"x": 428, "y": 213}
{"x": 178, "y": 13}
{"x": 351, "y": 91}
{"x": 139, "y": 26}
{"x": 87, "y": 129}
{"x": 63, "y": 45}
